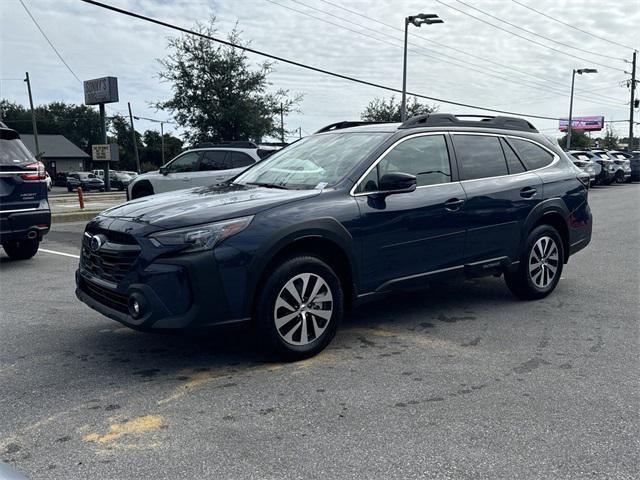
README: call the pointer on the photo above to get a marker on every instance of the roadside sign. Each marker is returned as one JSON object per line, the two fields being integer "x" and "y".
{"x": 100, "y": 90}
{"x": 105, "y": 153}
{"x": 582, "y": 123}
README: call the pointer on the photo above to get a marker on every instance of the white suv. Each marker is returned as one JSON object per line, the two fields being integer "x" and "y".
{"x": 198, "y": 167}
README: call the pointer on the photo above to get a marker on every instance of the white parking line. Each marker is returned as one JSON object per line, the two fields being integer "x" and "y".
{"x": 58, "y": 253}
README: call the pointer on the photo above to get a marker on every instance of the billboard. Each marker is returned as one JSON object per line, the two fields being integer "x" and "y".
{"x": 101, "y": 90}
{"x": 582, "y": 123}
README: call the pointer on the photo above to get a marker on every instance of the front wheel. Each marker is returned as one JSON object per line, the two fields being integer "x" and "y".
{"x": 21, "y": 249}
{"x": 299, "y": 308}
{"x": 540, "y": 265}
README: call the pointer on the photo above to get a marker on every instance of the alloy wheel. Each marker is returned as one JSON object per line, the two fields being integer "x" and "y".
{"x": 544, "y": 260}
{"x": 303, "y": 309}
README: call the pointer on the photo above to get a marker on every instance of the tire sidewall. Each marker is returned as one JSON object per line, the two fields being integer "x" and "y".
{"x": 271, "y": 289}
{"x": 534, "y": 236}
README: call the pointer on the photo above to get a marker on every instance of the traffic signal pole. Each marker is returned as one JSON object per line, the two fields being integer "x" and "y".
{"x": 631, "y": 104}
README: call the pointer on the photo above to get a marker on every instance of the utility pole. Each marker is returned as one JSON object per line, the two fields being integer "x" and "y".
{"x": 33, "y": 116}
{"x": 573, "y": 81}
{"x": 631, "y": 104}
{"x": 300, "y": 132}
{"x": 135, "y": 140}
{"x": 162, "y": 140}
{"x": 282, "y": 123}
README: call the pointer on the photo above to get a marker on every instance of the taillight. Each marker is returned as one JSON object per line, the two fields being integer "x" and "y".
{"x": 38, "y": 172}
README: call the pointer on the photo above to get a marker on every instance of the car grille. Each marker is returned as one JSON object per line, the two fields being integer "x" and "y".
{"x": 105, "y": 296}
{"x": 114, "y": 259}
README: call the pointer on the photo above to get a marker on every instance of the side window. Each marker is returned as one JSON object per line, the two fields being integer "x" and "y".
{"x": 531, "y": 154}
{"x": 215, "y": 160}
{"x": 513, "y": 162}
{"x": 239, "y": 159}
{"x": 479, "y": 156}
{"x": 426, "y": 157}
{"x": 186, "y": 163}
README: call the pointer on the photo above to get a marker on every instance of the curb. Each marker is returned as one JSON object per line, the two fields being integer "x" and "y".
{"x": 73, "y": 216}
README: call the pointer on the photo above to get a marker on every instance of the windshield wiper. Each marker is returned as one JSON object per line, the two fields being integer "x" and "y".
{"x": 267, "y": 185}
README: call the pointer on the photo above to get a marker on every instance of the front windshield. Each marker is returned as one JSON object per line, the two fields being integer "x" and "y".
{"x": 314, "y": 162}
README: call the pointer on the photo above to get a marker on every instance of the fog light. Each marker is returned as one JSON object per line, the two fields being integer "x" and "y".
{"x": 136, "y": 306}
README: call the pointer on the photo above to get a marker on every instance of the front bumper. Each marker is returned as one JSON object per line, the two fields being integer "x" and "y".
{"x": 18, "y": 225}
{"x": 181, "y": 292}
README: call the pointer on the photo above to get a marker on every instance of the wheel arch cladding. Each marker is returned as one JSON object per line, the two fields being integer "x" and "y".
{"x": 552, "y": 212}
{"x": 326, "y": 239}
{"x": 141, "y": 185}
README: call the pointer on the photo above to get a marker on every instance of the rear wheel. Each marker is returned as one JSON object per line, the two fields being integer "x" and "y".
{"x": 141, "y": 192}
{"x": 21, "y": 249}
{"x": 299, "y": 308}
{"x": 540, "y": 265}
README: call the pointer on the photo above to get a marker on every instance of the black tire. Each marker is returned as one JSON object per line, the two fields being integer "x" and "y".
{"x": 21, "y": 249}
{"x": 528, "y": 284}
{"x": 275, "y": 286}
{"x": 141, "y": 192}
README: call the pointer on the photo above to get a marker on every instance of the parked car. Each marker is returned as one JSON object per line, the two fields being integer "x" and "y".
{"x": 25, "y": 216}
{"x": 119, "y": 180}
{"x": 48, "y": 181}
{"x": 609, "y": 168}
{"x": 585, "y": 162}
{"x": 88, "y": 181}
{"x": 131, "y": 174}
{"x": 206, "y": 164}
{"x": 340, "y": 217}
{"x": 60, "y": 179}
{"x": 623, "y": 160}
{"x": 635, "y": 166}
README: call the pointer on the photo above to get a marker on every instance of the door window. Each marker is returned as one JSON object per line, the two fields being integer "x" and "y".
{"x": 426, "y": 157}
{"x": 186, "y": 163}
{"x": 215, "y": 160}
{"x": 239, "y": 159}
{"x": 479, "y": 156}
{"x": 531, "y": 154}
{"x": 513, "y": 162}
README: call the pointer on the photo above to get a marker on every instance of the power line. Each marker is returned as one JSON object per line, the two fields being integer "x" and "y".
{"x": 465, "y": 65}
{"x": 299, "y": 64}
{"x": 527, "y": 39}
{"x": 509, "y": 67}
{"x": 49, "y": 41}
{"x": 537, "y": 34}
{"x": 572, "y": 26}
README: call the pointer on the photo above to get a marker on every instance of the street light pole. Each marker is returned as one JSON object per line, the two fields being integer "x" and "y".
{"x": 33, "y": 116}
{"x": 579, "y": 71}
{"x": 417, "y": 20}
{"x": 162, "y": 140}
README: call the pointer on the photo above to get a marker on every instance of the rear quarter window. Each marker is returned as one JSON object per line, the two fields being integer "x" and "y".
{"x": 532, "y": 155}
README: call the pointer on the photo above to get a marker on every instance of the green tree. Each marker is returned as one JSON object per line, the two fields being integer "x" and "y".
{"x": 79, "y": 123}
{"x": 151, "y": 153}
{"x": 610, "y": 140}
{"x": 579, "y": 140}
{"x": 383, "y": 110}
{"x": 216, "y": 95}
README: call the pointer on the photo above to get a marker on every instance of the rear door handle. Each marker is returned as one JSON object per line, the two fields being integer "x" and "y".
{"x": 528, "y": 192}
{"x": 453, "y": 204}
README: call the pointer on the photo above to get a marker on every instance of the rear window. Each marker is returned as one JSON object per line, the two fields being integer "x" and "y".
{"x": 479, "y": 156}
{"x": 13, "y": 151}
{"x": 532, "y": 155}
{"x": 581, "y": 156}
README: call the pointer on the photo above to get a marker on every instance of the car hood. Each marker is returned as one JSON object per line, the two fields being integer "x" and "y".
{"x": 205, "y": 204}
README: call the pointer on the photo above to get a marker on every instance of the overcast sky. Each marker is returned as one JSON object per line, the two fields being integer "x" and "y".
{"x": 484, "y": 66}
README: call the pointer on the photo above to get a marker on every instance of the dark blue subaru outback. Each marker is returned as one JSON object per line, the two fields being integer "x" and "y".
{"x": 348, "y": 214}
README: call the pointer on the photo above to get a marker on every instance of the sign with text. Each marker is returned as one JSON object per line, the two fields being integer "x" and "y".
{"x": 101, "y": 90}
{"x": 105, "y": 153}
{"x": 582, "y": 123}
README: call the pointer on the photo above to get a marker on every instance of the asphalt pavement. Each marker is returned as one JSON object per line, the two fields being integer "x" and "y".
{"x": 460, "y": 381}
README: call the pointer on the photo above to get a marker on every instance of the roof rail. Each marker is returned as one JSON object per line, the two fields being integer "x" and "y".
{"x": 230, "y": 143}
{"x": 486, "y": 121}
{"x": 346, "y": 124}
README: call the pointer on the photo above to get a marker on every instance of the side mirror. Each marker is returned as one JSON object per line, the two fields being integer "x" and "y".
{"x": 164, "y": 170}
{"x": 397, "y": 182}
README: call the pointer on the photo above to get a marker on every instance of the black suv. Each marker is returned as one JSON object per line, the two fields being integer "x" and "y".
{"x": 24, "y": 209}
{"x": 346, "y": 215}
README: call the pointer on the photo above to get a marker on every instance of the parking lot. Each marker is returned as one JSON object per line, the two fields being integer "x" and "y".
{"x": 458, "y": 381}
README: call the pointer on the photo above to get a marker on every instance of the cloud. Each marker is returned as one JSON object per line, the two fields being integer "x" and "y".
{"x": 96, "y": 42}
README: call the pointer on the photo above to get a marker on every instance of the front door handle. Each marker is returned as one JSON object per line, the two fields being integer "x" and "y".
{"x": 453, "y": 204}
{"x": 528, "y": 192}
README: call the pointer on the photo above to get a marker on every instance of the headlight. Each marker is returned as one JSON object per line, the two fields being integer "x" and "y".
{"x": 201, "y": 237}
